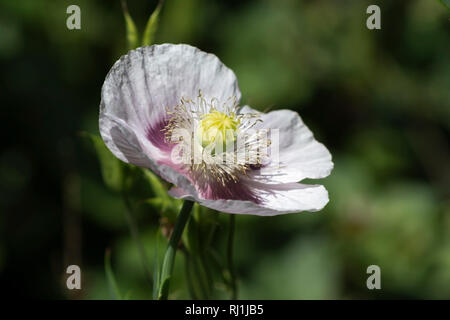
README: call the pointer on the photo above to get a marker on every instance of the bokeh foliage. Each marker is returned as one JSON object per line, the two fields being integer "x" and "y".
{"x": 379, "y": 100}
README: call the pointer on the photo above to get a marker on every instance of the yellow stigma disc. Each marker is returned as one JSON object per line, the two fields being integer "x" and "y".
{"x": 217, "y": 125}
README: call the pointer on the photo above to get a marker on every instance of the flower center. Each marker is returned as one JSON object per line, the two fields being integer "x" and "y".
{"x": 215, "y": 146}
{"x": 217, "y": 127}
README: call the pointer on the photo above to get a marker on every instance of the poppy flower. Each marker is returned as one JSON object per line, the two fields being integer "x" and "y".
{"x": 164, "y": 106}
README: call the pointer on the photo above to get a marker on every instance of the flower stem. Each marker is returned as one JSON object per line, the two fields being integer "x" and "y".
{"x": 230, "y": 257}
{"x": 169, "y": 257}
{"x": 188, "y": 272}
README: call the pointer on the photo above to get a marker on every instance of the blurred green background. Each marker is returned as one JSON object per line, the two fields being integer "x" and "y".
{"x": 379, "y": 100}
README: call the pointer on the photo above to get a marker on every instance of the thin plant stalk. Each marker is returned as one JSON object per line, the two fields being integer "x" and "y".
{"x": 169, "y": 257}
{"x": 135, "y": 233}
{"x": 230, "y": 265}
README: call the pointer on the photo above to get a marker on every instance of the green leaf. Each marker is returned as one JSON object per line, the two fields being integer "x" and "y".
{"x": 132, "y": 33}
{"x": 157, "y": 187}
{"x": 190, "y": 237}
{"x": 152, "y": 25}
{"x": 112, "y": 168}
{"x": 166, "y": 205}
{"x": 193, "y": 241}
{"x": 156, "y": 203}
{"x": 127, "y": 296}
{"x": 157, "y": 272}
{"x": 446, "y": 3}
{"x": 164, "y": 291}
{"x": 221, "y": 270}
{"x": 114, "y": 289}
{"x": 191, "y": 284}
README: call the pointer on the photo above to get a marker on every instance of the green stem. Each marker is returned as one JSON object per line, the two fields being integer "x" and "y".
{"x": 230, "y": 257}
{"x": 202, "y": 278}
{"x": 112, "y": 283}
{"x": 188, "y": 272}
{"x": 135, "y": 233}
{"x": 169, "y": 257}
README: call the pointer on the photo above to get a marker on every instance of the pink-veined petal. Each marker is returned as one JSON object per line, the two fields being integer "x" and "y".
{"x": 275, "y": 199}
{"x": 131, "y": 147}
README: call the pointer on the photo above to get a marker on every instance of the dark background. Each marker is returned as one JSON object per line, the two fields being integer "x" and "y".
{"x": 378, "y": 99}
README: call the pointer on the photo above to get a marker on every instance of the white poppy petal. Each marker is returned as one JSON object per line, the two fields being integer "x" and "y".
{"x": 145, "y": 82}
{"x": 300, "y": 155}
{"x": 129, "y": 146}
{"x": 276, "y": 199}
